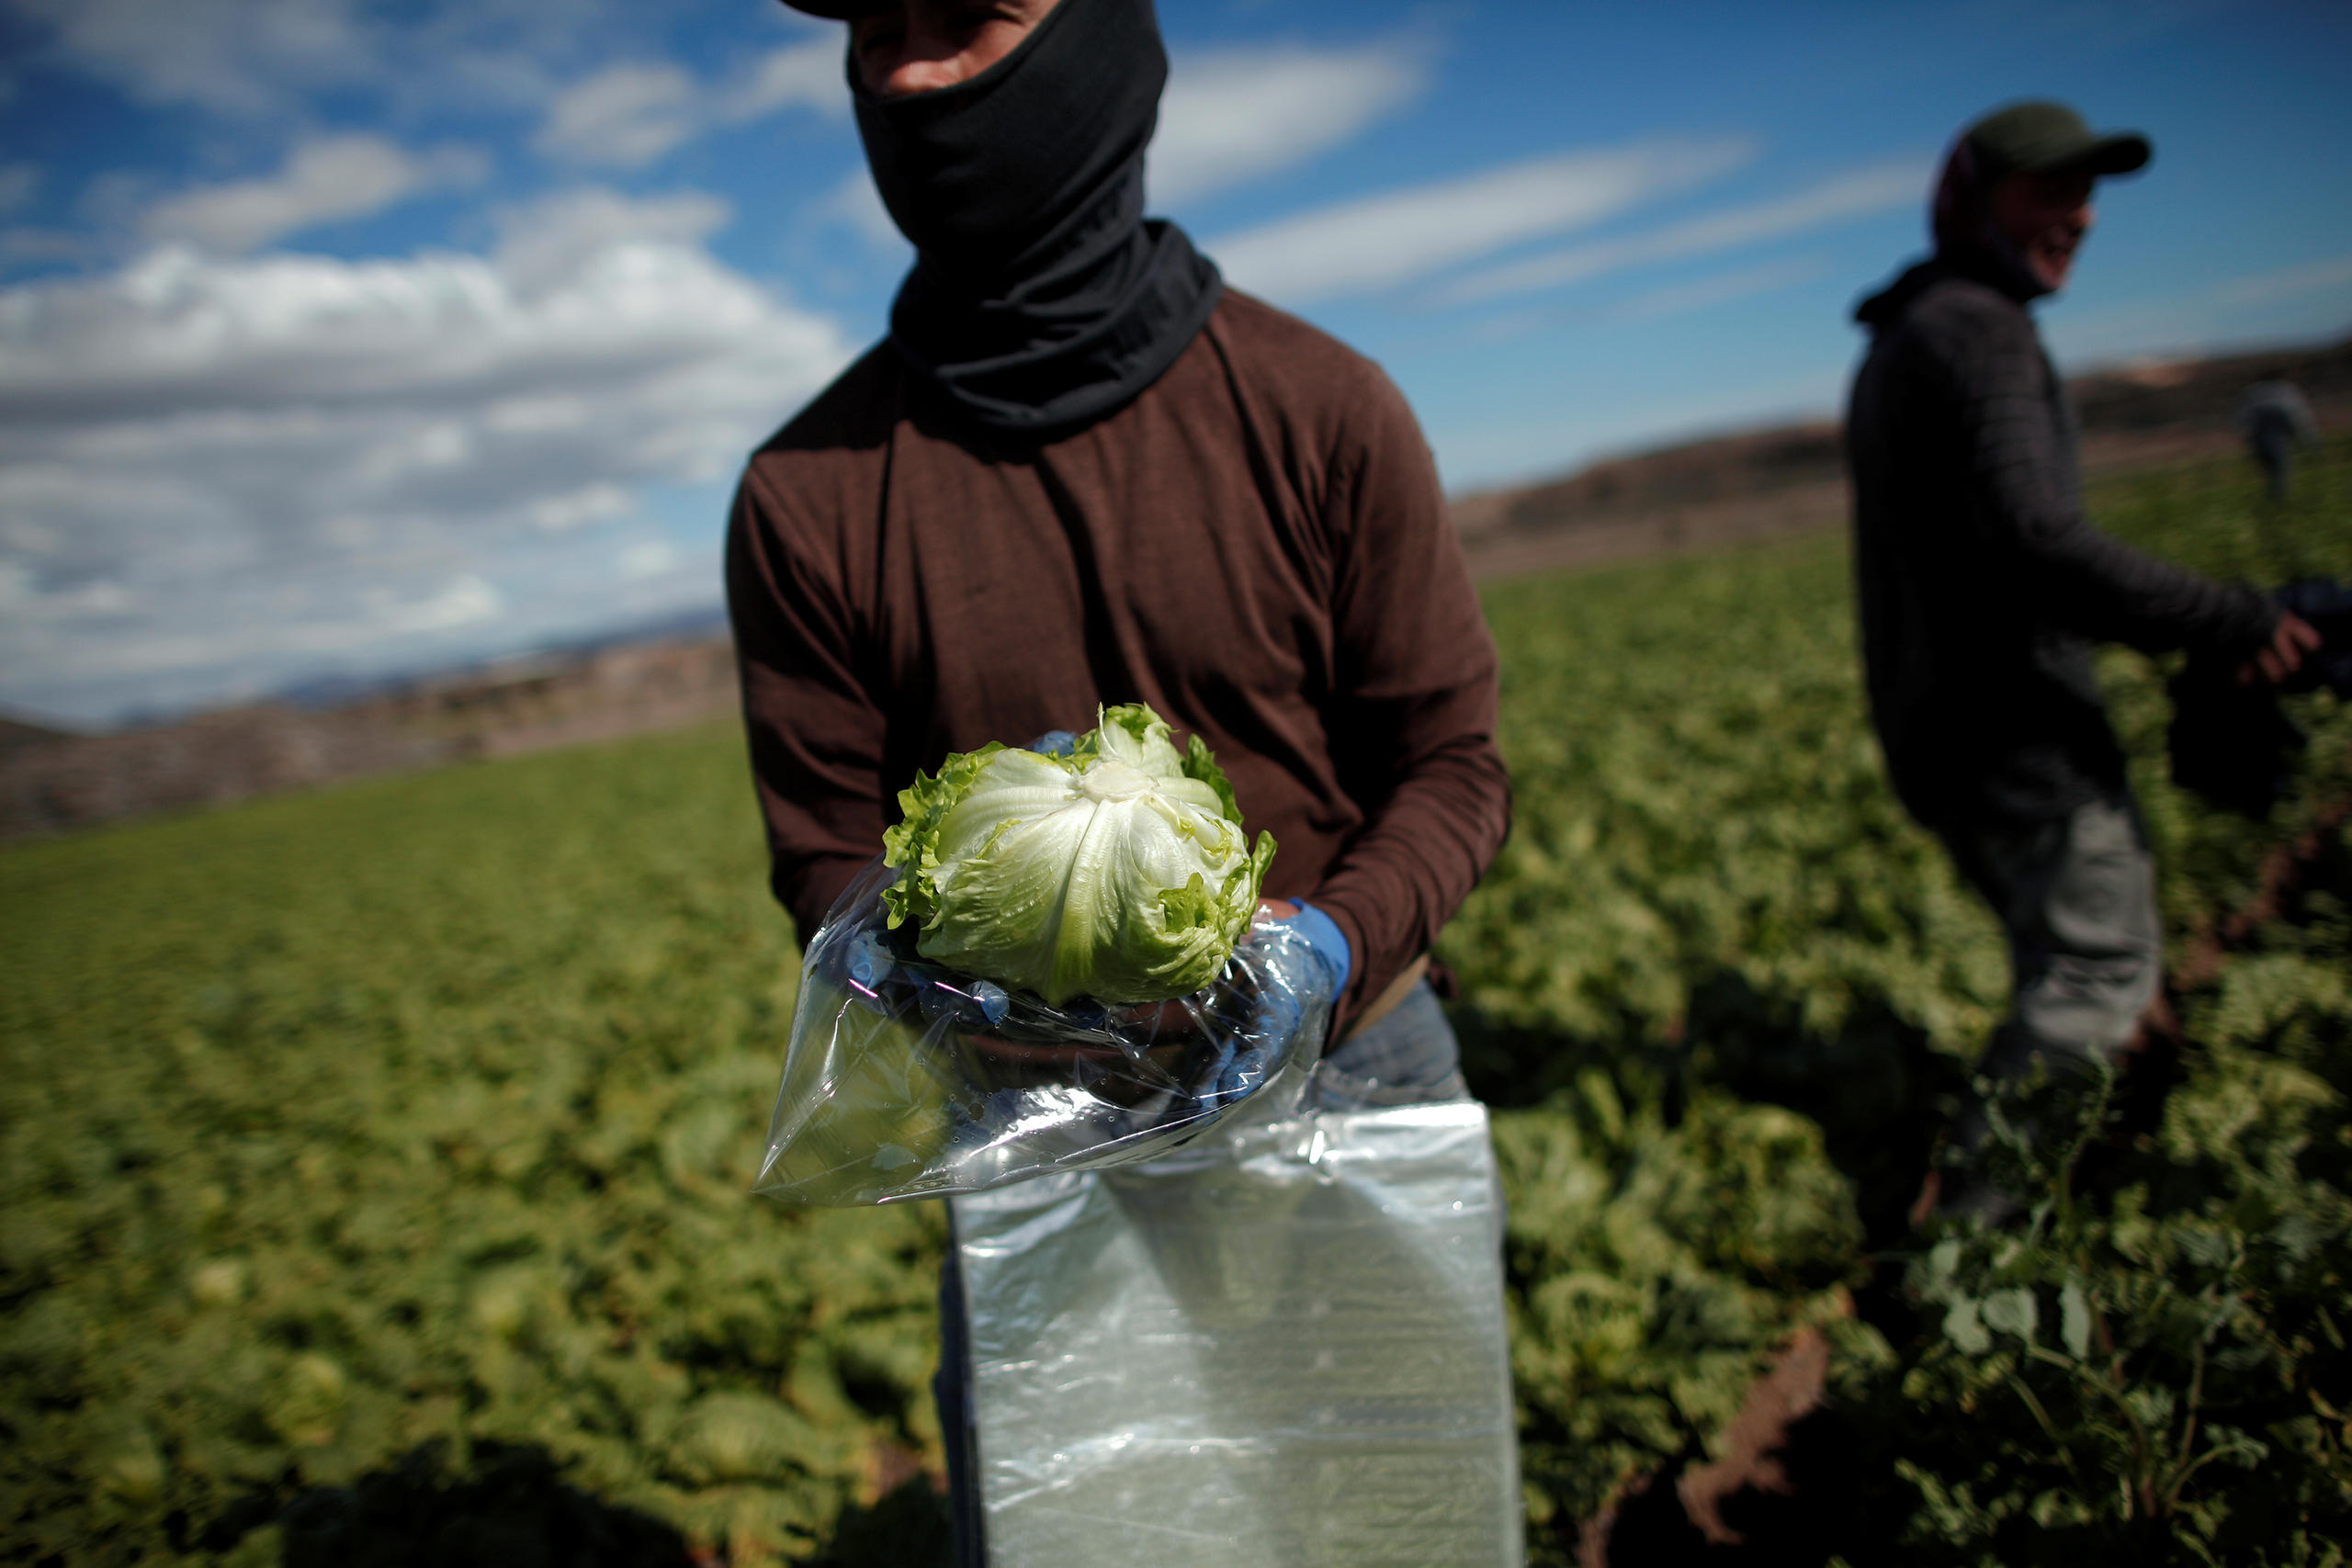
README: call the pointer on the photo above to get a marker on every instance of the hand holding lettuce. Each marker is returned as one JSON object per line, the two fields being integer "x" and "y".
{"x": 1054, "y": 965}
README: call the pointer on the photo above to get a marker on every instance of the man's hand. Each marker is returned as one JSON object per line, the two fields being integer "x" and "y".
{"x": 2284, "y": 654}
{"x": 1321, "y": 933}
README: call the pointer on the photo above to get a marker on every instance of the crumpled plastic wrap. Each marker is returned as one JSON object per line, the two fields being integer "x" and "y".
{"x": 1281, "y": 1347}
{"x": 904, "y": 1079}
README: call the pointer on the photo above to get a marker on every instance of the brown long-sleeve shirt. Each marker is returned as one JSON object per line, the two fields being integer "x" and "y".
{"x": 1256, "y": 545}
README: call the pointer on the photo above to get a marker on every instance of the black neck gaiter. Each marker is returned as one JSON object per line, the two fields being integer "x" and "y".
{"x": 1040, "y": 299}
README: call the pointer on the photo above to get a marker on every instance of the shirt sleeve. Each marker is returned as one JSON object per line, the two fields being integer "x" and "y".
{"x": 1414, "y": 704}
{"x": 2028, "y": 511}
{"x": 815, "y": 734}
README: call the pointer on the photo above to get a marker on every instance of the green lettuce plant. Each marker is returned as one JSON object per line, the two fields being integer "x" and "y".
{"x": 1119, "y": 871}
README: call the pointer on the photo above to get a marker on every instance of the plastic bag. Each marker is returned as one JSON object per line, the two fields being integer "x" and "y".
{"x": 1325, "y": 1379}
{"x": 904, "y": 1079}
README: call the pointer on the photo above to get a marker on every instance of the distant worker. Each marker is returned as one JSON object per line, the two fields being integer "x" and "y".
{"x": 2276, "y": 420}
{"x": 1982, "y": 588}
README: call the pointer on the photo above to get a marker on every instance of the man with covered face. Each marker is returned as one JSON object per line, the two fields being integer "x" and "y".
{"x": 1080, "y": 471}
{"x": 1984, "y": 587}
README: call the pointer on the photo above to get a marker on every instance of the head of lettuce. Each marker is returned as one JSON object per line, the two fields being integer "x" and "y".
{"x": 1118, "y": 871}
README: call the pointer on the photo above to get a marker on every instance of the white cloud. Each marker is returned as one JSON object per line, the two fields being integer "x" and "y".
{"x": 2288, "y": 283}
{"x": 1382, "y": 242}
{"x": 216, "y": 473}
{"x": 1872, "y": 189}
{"x": 2302, "y": 303}
{"x": 1705, "y": 293}
{"x": 541, "y": 244}
{"x": 855, "y": 205}
{"x": 249, "y": 59}
{"x": 1548, "y": 443}
{"x": 803, "y": 75}
{"x": 649, "y": 557}
{"x": 232, "y": 56}
{"x": 326, "y": 179}
{"x": 578, "y": 508}
{"x": 18, "y": 182}
{"x": 95, "y": 599}
{"x": 1238, "y": 114}
{"x": 626, "y": 116}
{"x": 466, "y": 602}
{"x": 44, "y": 245}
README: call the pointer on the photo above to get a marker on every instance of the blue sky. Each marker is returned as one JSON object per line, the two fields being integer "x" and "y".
{"x": 346, "y": 338}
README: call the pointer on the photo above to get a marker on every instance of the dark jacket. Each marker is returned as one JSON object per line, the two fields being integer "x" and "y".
{"x": 1982, "y": 585}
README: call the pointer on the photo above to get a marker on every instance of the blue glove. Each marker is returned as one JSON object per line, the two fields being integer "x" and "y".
{"x": 1054, "y": 743}
{"x": 1330, "y": 943}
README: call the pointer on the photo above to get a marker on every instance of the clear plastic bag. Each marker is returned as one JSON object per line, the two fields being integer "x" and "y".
{"x": 904, "y": 1079}
{"x": 1327, "y": 1376}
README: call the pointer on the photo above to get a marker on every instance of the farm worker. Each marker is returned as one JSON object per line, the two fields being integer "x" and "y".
{"x": 1982, "y": 588}
{"x": 1080, "y": 470}
{"x": 2275, "y": 419}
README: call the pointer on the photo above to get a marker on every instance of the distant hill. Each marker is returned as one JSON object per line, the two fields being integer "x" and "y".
{"x": 16, "y": 735}
{"x": 51, "y": 783}
{"x": 344, "y": 691}
{"x": 1760, "y": 483}
{"x": 2203, "y": 393}
{"x": 1696, "y": 494}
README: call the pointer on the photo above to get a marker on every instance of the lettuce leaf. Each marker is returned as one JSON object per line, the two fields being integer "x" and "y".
{"x": 1119, "y": 871}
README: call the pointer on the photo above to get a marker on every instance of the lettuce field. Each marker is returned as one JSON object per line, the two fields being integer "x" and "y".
{"x": 373, "y": 1163}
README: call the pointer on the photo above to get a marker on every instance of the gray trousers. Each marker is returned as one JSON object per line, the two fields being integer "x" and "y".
{"x": 2077, "y": 897}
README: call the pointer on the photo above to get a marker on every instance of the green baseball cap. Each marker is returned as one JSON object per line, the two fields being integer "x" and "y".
{"x": 2042, "y": 138}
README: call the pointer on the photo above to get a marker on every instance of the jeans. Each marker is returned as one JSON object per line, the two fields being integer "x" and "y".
{"x": 1408, "y": 1056}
